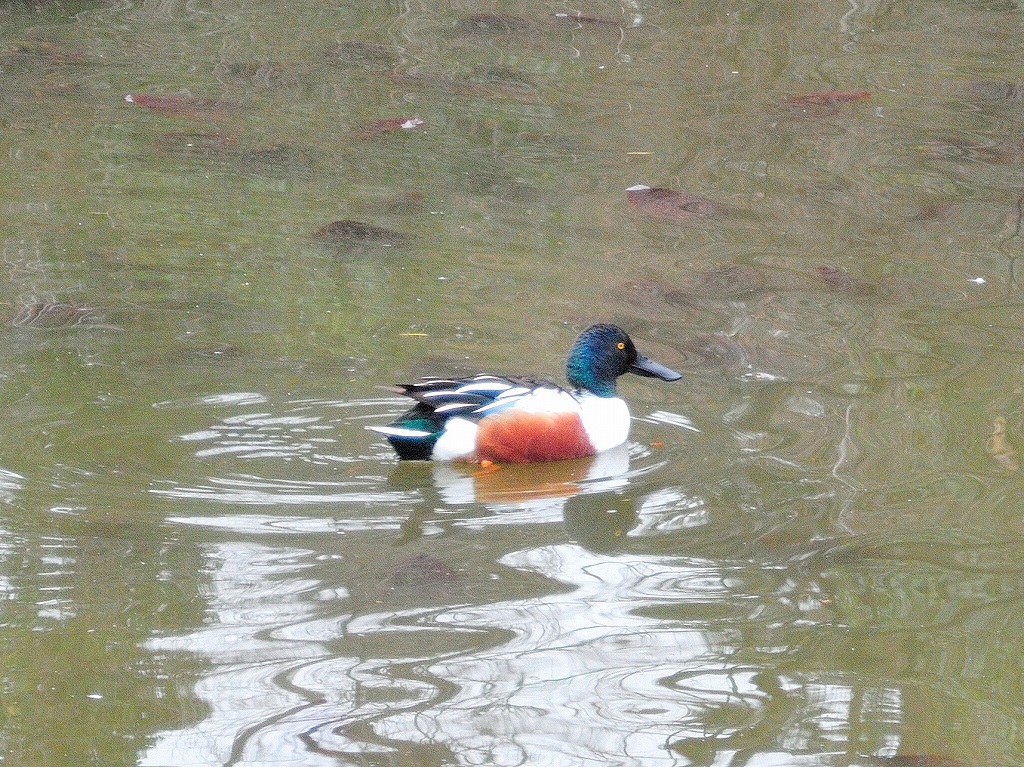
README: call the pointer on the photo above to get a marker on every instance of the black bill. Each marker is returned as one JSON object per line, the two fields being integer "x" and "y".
{"x": 652, "y": 369}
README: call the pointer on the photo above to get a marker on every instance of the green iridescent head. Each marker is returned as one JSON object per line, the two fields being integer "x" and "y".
{"x": 602, "y": 353}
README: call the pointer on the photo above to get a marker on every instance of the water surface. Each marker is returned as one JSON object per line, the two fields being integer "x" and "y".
{"x": 808, "y": 553}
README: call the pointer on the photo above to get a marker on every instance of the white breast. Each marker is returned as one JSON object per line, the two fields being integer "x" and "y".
{"x": 606, "y": 420}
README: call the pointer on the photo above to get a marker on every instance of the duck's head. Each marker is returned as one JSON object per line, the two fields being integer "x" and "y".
{"x": 602, "y": 353}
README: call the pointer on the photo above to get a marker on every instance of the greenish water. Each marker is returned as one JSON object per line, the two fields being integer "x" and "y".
{"x": 808, "y": 554}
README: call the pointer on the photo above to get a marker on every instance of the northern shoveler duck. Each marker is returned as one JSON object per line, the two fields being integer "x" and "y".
{"x": 506, "y": 419}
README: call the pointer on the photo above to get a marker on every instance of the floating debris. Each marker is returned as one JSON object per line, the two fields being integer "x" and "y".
{"x": 671, "y": 205}
{"x": 178, "y": 105}
{"x": 822, "y": 103}
{"x": 217, "y": 350}
{"x": 358, "y": 233}
{"x": 389, "y": 125}
{"x": 998, "y": 446}
{"x": 54, "y": 316}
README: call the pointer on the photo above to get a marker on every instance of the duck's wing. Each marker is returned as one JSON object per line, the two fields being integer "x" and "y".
{"x": 474, "y": 397}
{"x": 438, "y": 400}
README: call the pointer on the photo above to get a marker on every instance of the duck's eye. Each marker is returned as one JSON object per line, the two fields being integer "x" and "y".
{"x": 620, "y": 345}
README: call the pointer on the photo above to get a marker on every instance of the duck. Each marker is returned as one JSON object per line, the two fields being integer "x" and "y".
{"x": 495, "y": 419}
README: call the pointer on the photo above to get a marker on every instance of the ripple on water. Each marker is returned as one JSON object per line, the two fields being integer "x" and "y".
{"x": 580, "y": 679}
{"x": 227, "y": 399}
{"x": 626, "y": 666}
{"x": 549, "y": 680}
{"x": 295, "y": 440}
{"x": 254, "y": 490}
{"x": 306, "y": 430}
{"x": 10, "y": 484}
{"x": 252, "y": 588}
{"x": 260, "y": 454}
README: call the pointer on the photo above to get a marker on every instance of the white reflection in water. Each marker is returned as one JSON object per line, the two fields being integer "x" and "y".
{"x": 216, "y": 400}
{"x": 669, "y": 509}
{"x": 255, "y": 597}
{"x": 58, "y": 556}
{"x": 583, "y": 677}
{"x": 250, "y": 490}
{"x": 264, "y": 435}
{"x": 671, "y": 419}
{"x": 251, "y": 524}
{"x": 10, "y": 484}
{"x": 576, "y": 677}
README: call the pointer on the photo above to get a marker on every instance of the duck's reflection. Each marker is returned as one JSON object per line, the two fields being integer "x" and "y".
{"x": 472, "y": 496}
{"x": 459, "y": 483}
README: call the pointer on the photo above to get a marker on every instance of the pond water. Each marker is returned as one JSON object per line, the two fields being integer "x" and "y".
{"x": 809, "y": 553}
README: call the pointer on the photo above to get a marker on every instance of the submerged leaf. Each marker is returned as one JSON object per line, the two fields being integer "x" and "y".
{"x": 357, "y": 232}
{"x": 936, "y": 211}
{"x": 822, "y": 103}
{"x": 671, "y": 205}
